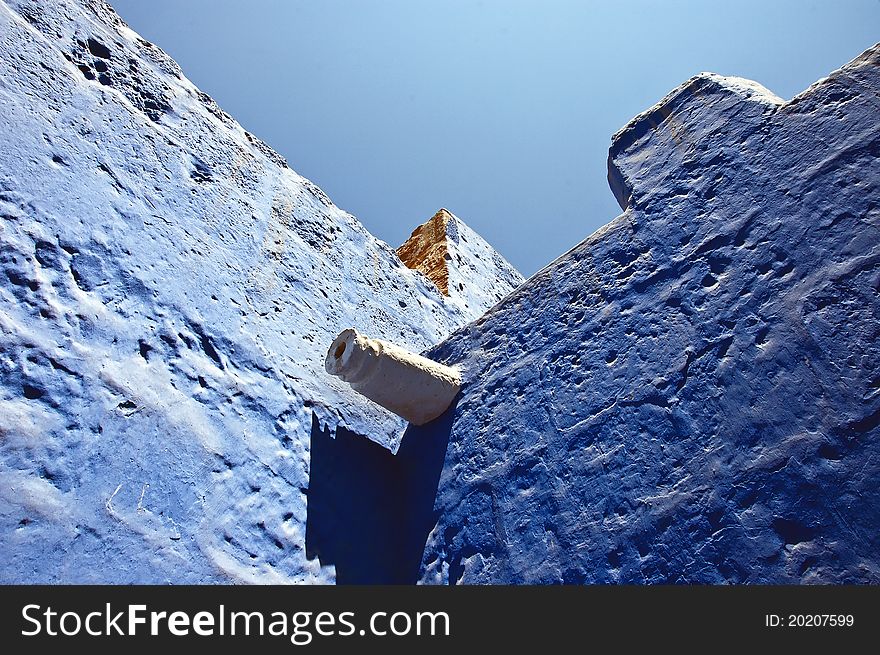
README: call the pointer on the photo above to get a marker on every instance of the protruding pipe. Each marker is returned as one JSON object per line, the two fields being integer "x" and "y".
{"x": 413, "y": 387}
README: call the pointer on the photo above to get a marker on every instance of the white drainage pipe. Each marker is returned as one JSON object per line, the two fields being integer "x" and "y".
{"x": 413, "y": 387}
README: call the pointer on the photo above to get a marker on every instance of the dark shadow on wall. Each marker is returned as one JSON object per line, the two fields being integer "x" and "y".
{"x": 369, "y": 511}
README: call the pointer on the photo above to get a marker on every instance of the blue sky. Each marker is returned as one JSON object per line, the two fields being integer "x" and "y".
{"x": 500, "y": 110}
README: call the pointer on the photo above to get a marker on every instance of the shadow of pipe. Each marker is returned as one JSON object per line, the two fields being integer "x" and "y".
{"x": 370, "y": 511}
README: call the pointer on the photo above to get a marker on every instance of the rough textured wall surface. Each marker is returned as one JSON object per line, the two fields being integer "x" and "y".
{"x": 692, "y": 394}
{"x": 168, "y": 290}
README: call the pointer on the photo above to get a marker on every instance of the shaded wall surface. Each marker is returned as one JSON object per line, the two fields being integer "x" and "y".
{"x": 692, "y": 394}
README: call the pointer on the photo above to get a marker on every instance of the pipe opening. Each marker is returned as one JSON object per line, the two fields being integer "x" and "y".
{"x": 339, "y": 350}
